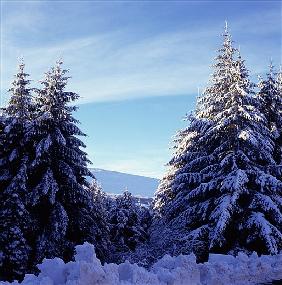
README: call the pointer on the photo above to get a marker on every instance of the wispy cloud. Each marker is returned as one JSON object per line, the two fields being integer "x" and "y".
{"x": 115, "y": 65}
{"x": 105, "y": 68}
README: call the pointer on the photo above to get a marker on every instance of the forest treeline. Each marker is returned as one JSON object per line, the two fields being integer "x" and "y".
{"x": 222, "y": 192}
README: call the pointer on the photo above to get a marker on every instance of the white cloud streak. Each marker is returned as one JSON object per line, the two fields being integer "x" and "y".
{"x": 110, "y": 66}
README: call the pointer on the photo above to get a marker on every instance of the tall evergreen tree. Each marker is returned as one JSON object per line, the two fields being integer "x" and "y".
{"x": 60, "y": 199}
{"x": 186, "y": 140}
{"x": 270, "y": 101}
{"x": 14, "y": 217}
{"x": 223, "y": 198}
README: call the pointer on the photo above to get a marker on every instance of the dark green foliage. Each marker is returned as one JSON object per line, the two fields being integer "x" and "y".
{"x": 270, "y": 104}
{"x": 15, "y": 219}
{"x": 60, "y": 198}
{"x": 129, "y": 223}
{"x": 223, "y": 190}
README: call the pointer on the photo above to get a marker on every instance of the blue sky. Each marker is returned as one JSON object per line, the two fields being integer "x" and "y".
{"x": 136, "y": 64}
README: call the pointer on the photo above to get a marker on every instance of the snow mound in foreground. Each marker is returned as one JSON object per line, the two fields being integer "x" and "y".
{"x": 183, "y": 269}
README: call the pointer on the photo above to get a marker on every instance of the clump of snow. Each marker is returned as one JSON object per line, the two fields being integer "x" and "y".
{"x": 183, "y": 269}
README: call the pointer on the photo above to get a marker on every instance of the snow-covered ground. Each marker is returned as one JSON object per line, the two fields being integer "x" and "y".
{"x": 221, "y": 269}
{"x": 116, "y": 182}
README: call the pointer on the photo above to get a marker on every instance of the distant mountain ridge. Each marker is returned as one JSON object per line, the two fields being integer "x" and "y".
{"x": 116, "y": 182}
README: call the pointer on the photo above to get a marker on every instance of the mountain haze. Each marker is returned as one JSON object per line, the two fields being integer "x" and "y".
{"x": 116, "y": 182}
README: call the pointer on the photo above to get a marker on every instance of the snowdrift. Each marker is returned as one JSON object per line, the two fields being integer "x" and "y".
{"x": 221, "y": 269}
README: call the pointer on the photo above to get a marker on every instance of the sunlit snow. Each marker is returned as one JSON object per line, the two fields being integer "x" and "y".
{"x": 183, "y": 269}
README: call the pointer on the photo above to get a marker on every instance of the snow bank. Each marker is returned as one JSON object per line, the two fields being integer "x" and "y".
{"x": 221, "y": 269}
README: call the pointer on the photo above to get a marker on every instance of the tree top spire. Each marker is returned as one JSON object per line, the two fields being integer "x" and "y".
{"x": 226, "y": 34}
{"x": 21, "y": 63}
{"x": 226, "y": 27}
{"x": 271, "y": 67}
{"x": 59, "y": 61}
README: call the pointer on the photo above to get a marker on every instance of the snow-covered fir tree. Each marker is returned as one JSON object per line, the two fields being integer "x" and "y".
{"x": 127, "y": 226}
{"x": 99, "y": 195}
{"x": 15, "y": 224}
{"x": 184, "y": 141}
{"x": 222, "y": 195}
{"x": 100, "y": 216}
{"x": 15, "y": 227}
{"x": 60, "y": 199}
{"x": 208, "y": 105}
{"x": 270, "y": 101}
